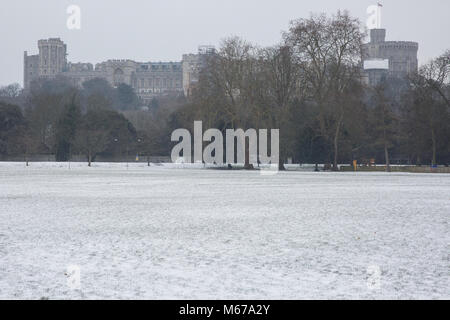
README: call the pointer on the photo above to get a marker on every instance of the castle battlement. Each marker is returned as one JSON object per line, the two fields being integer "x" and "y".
{"x": 400, "y": 45}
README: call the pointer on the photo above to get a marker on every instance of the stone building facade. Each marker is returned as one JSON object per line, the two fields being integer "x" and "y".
{"x": 192, "y": 65}
{"x": 148, "y": 79}
{"x": 388, "y": 58}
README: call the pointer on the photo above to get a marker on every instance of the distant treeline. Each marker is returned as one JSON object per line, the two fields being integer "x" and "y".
{"x": 309, "y": 86}
{"x": 57, "y": 118}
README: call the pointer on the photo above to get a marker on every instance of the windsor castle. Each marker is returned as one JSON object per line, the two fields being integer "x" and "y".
{"x": 151, "y": 79}
{"x": 148, "y": 79}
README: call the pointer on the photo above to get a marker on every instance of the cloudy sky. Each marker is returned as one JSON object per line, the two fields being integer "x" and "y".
{"x": 162, "y": 30}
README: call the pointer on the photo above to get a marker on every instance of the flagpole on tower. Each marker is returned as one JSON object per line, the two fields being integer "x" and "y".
{"x": 379, "y": 15}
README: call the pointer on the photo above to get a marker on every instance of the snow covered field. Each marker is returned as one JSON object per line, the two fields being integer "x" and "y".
{"x": 161, "y": 233}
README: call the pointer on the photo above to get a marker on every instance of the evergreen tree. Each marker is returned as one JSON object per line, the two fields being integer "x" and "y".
{"x": 66, "y": 130}
{"x": 127, "y": 98}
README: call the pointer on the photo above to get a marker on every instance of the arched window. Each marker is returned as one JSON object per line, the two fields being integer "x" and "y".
{"x": 119, "y": 77}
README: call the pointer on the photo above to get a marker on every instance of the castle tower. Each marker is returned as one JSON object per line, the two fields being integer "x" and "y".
{"x": 384, "y": 58}
{"x": 377, "y": 35}
{"x": 52, "y": 57}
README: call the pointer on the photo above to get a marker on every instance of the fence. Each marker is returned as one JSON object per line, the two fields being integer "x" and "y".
{"x": 411, "y": 169}
{"x": 79, "y": 158}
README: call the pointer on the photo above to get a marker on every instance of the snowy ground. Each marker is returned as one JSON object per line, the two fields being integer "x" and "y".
{"x": 160, "y": 233}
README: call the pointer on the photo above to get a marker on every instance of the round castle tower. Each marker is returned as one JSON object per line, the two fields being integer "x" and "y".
{"x": 52, "y": 57}
{"x": 400, "y": 57}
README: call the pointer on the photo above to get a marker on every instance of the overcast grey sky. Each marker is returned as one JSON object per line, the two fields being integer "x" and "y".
{"x": 162, "y": 30}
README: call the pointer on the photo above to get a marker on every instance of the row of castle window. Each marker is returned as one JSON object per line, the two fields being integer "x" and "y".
{"x": 50, "y": 71}
{"x": 397, "y": 47}
{"x": 161, "y": 67}
{"x": 143, "y": 91}
{"x": 145, "y": 83}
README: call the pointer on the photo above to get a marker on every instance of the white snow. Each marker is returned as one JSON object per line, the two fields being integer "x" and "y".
{"x": 165, "y": 233}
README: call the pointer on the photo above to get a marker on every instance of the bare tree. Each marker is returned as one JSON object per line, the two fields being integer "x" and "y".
{"x": 430, "y": 111}
{"x": 228, "y": 72}
{"x": 329, "y": 50}
{"x": 437, "y": 75}
{"x": 11, "y": 91}
{"x": 384, "y": 123}
{"x": 281, "y": 84}
{"x": 91, "y": 141}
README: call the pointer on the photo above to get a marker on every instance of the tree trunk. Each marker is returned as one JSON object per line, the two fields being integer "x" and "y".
{"x": 433, "y": 139}
{"x": 335, "y": 165}
{"x": 336, "y": 144}
{"x": 386, "y": 150}
{"x": 26, "y": 155}
{"x": 386, "y": 156}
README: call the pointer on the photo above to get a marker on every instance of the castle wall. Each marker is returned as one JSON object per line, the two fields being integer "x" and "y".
{"x": 152, "y": 79}
{"x": 79, "y": 77}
